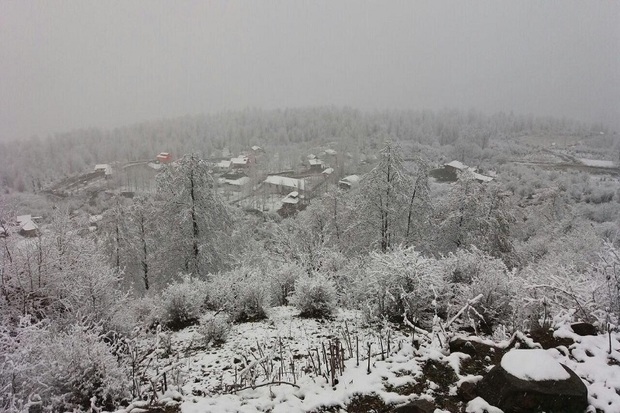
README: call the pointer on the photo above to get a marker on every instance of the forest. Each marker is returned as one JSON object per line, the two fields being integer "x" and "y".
{"x": 117, "y": 299}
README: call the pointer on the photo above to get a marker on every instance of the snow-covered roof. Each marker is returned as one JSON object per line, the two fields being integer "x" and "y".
{"x": 458, "y": 165}
{"x": 351, "y": 179}
{"x": 482, "y": 178}
{"x": 285, "y": 181}
{"x": 328, "y": 171}
{"x": 315, "y": 162}
{"x": 330, "y": 152}
{"x": 164, "y": 154}
{"x": 237, "y": 182}
{"x": 29, "y": 226}
{"x": 223, "y": 164}
{"x": 256, "y": 148}
{"x": 103, "y": 167}
{"x": 241, "y": 160}
{"x": 311, "y": 156}
{"x": 22, "y": 219}
{"x": 292, "y": 198}
{"x": 154, "y": 165}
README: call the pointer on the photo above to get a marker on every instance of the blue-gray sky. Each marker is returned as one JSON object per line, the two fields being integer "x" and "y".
{"x": 74, "y": 64}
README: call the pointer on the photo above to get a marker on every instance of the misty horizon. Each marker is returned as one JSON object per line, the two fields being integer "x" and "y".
{"x": 74, "y": 65}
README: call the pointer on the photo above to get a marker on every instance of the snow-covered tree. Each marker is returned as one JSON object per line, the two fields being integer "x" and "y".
{"x": 198, "y": 223}
{"x": 383, "y": 199}
{"x": 476, "y": 214}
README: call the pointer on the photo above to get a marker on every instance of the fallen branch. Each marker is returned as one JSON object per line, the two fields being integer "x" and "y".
{"x": 416, "y": 329}
{"x": 465, "y": 308}
{"x": 273, "y": 383}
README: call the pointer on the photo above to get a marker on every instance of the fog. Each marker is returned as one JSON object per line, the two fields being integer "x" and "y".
{"x": 74, "y": 64}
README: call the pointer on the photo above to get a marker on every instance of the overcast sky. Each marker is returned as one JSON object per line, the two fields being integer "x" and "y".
{"x": 74, "y": 64}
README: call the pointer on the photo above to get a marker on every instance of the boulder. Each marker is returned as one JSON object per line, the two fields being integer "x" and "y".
{"x": 466, "y": 391}
{"x": 584, "y": 329}
{"x": 534, "y": 390}
{"x": 471, "y": 347}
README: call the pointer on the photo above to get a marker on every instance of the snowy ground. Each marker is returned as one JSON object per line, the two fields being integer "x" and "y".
{"x": 286, "y": 349}
{"x": 598, "y": 163}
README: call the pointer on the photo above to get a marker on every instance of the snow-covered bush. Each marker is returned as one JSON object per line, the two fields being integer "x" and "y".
{"x": 351, "y": 283}
{"x": 214, "y": 328}
{"x": 400, "y": 281}
{"x": 182, "y": 302}
{"x": 68, "y": 370}
{"x": 282, "y": 282}
{"x": 548, "y": 289}
{"x": 474, "y": 272}
{"x": 146, "y": 311}
{"x": 314, "y": 296}
{"x": 242, "y": 293}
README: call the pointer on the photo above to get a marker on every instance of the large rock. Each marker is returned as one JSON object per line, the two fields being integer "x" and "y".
{"x": 584, "y": 329}
{"x": 535, "y": 393}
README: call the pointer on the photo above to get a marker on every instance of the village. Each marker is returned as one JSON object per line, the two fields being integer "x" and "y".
{"x": 245, "y": 181}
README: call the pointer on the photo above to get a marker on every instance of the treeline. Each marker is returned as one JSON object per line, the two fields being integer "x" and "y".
{"x": 34, "y": 163}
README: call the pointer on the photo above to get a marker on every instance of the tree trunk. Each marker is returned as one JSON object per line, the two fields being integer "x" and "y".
{"x": 195, "y": 231}
{"x": 145, "y": 265}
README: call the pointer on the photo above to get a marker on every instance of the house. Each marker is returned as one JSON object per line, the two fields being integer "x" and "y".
{"x": 330, "y": 152}
{"x": 27, "y": 227}
{"x": 257, "y": 149}
{"x": 223, "y": 166}
{"x": 164, "y": 157}
{"x": 316, "y": 165}
{"x": 349, "y": 182}
{"x": 328, "y": 171}
{"x": 291, "y": 204}
{"x": 240, "y": 162}
{"x": 451, "y": 170}
{"x": 103, "y": 168}
{"x": 284, "y": 184}
{"x": 311, "y": 156}
{"x": 236, "y": 180}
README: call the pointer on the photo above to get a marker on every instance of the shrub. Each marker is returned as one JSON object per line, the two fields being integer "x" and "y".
{"x": 601, "y": 196}
{"x": 65, "y": 369}
{"x": 400, "y": 281}
{"x": 314, "y": 296}
{"x": 214, "y": 328}
{"x": 242, "y": 293}
{"x": 473, "y": 272}
{"x": 146, "y": 311}
{"x": 282, "y": 283}
{"x": 182, "y": 302}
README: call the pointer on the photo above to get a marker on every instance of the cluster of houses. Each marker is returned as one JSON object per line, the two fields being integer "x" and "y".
{"x": 241, "y": 162}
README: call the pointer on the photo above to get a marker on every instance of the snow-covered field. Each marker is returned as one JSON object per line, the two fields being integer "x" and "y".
{"x": 240, "y": 375}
